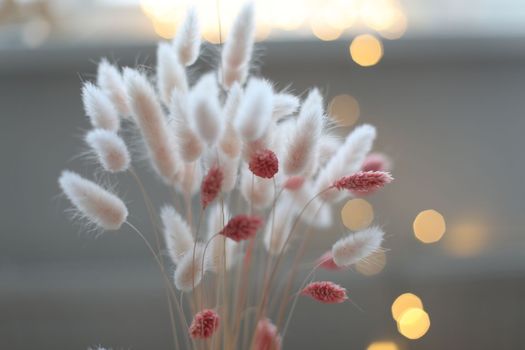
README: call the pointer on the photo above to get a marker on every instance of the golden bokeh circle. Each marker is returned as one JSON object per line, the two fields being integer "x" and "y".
{"x": 344, "y": 109}
{"x": 382, "y": 345}
{"x": 366, "y": 50}
{"x": 357, "y": 214}
{"x": 414, "y": 323}
{"x": 405, "y": 302}
{"x": 429, "y": 226}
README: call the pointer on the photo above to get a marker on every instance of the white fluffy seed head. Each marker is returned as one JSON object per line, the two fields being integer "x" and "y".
{"x": 94, "y": 203}
{"x": 284, "y": 105}
{"x": 230, "y": 171}
{"x": 220, "y": 247}
{"x": 256, "y": 190}
{"x": 205, "y": 109}
{"x": 255, "y": 111}
{"x": 189, "y": 270}
{"x": 302, "y": 150}
{"x": 171, "y": 74}
{"x": 153, "y": 126}
{"x": 190, "y": 179}
{"x": 110, "y": 149}
{"x": 230, "y": 142}
{"x": 110, "y": 81}
{"x": 177, "y": 234}
{"x": 187, "y": 41}
{"x": 278, "y": 227}
{"x": 190, "y": 143}
{"x": 99, "y": 108}
{"x": 357, "y": 246}
{"x": 346, "y": 161}
{"x": 237, "y": 50}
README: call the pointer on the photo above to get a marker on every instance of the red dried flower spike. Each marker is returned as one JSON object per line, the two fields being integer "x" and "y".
{"x": 326, "y": 292}
{"x": 326, "y": 262}
{"x": 242, "y": 227}
{"x": 363, "y": 181}
{"x": 264, "y": 163}
{"x": 211, "y": 186}
{"x": 294, "y": 183}
{"x": 204, "y": 324}
{"x": 266, "y": 336}
{"x": 376, "y": 162}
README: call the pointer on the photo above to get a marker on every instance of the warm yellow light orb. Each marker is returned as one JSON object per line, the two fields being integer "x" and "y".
{"x": 429, "y": 226}
{"x": 344, "y": 109}
{"x": 357, "y": 214}
{"x": 403, "y": 303}
{"x": 366, "y": 50}
{"x": 414, "y": 323}
{"x": 382, "y": 345}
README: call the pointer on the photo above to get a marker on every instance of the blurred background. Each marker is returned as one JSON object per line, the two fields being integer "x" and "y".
{"x": 442, "y": 80}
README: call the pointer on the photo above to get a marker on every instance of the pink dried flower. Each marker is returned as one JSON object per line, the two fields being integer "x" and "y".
{"x": 266, "y": 336}
{"x": 204, "y": 324}
{"x": 242, "y": 227}
{"x": 363, "y": 181}
{"x": 294, "y": 183}
{"x": 376, "y": 162}
{"x": 326, "y": 292}
{"x": 326, "y": 262}
{"x": 264, "y": 163}
{"x": 211, "y": 185}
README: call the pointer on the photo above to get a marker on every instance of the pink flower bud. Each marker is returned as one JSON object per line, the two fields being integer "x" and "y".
{"x": 326, "y": 292}
{"x": 264, "y": 163}
{"x": 363, "y": 181}
{"x": 266, "y": 336}
{"x": 242, "y": 227}
{"x": 211, "y": 186}
{"x": 204, "y": 324}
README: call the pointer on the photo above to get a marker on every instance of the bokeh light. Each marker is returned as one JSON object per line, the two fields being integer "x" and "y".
{"x": 413, "y": 323}
{"x": 344, "y": 109}
{"x": 405, "y": 302}
{"x": 357, "y": 214}
{"x": 324, "y": 31}
{"x": 382, "y": 345}
{"x": 372, "y": 265}
{"x": 467, "y": 238}
{"x": 366, "y": 50}
{"x": 429, "y": 226}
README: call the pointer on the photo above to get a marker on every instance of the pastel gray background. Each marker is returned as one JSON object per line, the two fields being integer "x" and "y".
{"x": 450, "y": 112}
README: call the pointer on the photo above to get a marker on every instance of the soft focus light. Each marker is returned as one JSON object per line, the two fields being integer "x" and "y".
{"x": 429, "y": 226}
{"x": 405, "y": 302}
{"x": 398, "y": 28}
{"x": 344, "y": 109}
{"x": 357, "y": 214}
{"x": 36, "y": 32}
{"x": 327, "y": 18}
{"x": 414, "y": 323}
{"x": 382, "y": 345}
{"x": 324, "y": 31}
{"x": 466, "y": 239}
{"x": 366, "y": 50}
{"x": 372, "y": 265}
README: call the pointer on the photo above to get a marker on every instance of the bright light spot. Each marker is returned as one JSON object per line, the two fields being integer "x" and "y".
{"x": 165, "y": 30}
{"x": 378, "y": 14}
{"x": 382, "y": 345}
{"x": 324, "y": 31}
{"x": 429, "y": 226}
{"x": 414, "y": 323}
{"x": 357, "y": 214}
{"x": 366, "y": 50}
{"x": 344, "y": 109}
{"x": 372, "y": 265}
{"x": 398, "y": 28}
{"x": 467, "y": 239}
{"x": 405, "y": 302}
